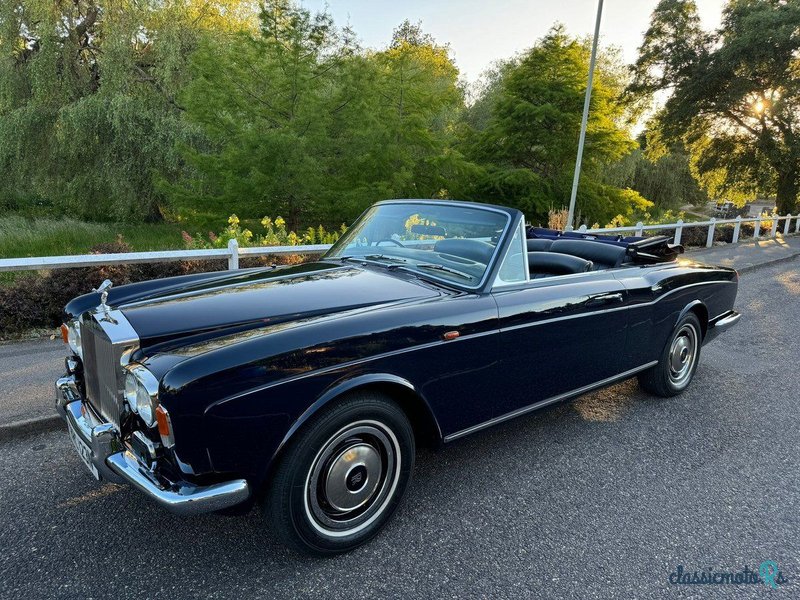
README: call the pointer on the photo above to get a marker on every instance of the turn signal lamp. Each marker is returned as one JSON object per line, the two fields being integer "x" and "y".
{"x": 164, "y": 427}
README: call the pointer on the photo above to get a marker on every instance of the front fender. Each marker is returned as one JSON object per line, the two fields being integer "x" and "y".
{"x": 247, "y": 437}
{"x": 351, "y": 383}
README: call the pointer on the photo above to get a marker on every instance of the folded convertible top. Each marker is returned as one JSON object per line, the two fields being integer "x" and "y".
{"x": 640, "y": 249}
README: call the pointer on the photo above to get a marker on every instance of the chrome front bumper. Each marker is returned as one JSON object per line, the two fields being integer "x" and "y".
{"x": 116, "y": 462}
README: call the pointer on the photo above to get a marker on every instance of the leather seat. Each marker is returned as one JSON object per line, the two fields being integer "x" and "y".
{"x": 539, "y": 245}
{"x": 475, "y": 250}
{"x": 604, "y": 256}
{"x": 544, "y": 264}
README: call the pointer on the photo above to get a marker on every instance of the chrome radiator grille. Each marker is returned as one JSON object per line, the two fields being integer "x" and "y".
{"x": 101, "y": 371}
{"x": 106, "y": 336}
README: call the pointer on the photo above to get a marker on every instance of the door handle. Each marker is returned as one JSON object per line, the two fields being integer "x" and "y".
{"x": 603, "y": 299}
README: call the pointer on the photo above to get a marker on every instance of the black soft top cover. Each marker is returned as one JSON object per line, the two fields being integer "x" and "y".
{"x": 635, "y": 249}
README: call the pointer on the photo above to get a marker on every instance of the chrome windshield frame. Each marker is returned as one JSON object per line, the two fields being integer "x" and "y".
{"x": 499, "y": 284}
{"x": 513, "y": 218}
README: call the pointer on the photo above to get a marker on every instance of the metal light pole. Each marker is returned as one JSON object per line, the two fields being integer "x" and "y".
{"x": 586, "y": 101}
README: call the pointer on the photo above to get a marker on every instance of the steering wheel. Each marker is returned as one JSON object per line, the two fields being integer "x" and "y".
{"x": 379, "y": 242}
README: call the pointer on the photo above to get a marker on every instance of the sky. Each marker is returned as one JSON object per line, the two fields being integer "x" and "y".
{"x": 482, "y": 31}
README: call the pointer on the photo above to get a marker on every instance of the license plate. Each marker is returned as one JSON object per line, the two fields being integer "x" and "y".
{"x": 83, "y": 451}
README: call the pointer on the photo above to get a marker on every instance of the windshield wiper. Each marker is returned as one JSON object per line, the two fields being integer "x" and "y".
{"x": 376, "y": 258}
{"x": 372, "y": 258}
{"x": 433, "y": 267}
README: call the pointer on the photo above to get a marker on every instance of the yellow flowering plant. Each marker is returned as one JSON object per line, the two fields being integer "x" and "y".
{"x": 274, "y": 234}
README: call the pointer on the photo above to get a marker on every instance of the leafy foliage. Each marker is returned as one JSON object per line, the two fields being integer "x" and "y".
{"x": 736, "y": 92}
{"x": 663, "y": 176}
{"x": 302, "y": 122}
{"x": 523, "y": 133}
{"x": 87, "y": 100}
{"x": 275, "y": 234}
{"x": 188, "y": 110}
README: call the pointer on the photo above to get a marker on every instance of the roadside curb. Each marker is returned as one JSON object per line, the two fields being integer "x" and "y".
{"x": 748, "y": 268}
{"x": 34, "y": 425}
{"x": 17, "y": 429}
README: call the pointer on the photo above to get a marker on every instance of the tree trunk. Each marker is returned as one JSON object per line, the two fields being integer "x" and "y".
{"x": 154, "y": 214}
{"x": 788, "y": 187}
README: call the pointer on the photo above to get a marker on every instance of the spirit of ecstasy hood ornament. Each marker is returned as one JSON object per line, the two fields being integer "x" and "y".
{"x": 103, "y": 291}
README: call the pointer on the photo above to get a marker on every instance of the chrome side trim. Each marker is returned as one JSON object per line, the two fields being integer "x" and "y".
{"x": 607, "y": 310}
{"x": 346, "y": 364}
{"x": 367, "y": 359}
{"x": 542, "y": 403}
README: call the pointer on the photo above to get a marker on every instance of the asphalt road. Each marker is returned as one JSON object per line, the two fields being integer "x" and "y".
{"x": 600, "y": 497}
{"x": 27, "y": 373}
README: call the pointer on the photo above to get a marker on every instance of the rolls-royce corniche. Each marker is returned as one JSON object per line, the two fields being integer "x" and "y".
{"x": 305, "y": 389}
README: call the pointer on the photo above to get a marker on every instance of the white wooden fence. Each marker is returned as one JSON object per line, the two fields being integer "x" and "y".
{"x": 233, "y": 251}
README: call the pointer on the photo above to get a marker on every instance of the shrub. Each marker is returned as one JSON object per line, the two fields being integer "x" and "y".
{"x": 274, "y": 234}
{"x": 557, "y": 219}
{"x": 38, "y": 301}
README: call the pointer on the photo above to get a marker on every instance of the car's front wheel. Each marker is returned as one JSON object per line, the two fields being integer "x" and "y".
{"x": 678, "y": 361}
{"x": 342, "y": 476}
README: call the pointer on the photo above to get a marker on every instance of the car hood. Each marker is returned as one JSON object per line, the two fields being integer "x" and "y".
{"x": 260, "y": 298}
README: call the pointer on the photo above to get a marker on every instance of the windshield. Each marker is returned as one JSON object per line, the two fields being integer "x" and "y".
{"x": 447, "y": 241}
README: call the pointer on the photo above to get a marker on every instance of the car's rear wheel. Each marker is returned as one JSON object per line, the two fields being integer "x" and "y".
{"x": 343, "y": 475}
{"x": 678, "y": 361}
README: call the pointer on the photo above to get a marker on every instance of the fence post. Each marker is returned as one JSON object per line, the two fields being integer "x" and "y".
{"x": 774, "y": 225}
{"x": 639, "y": 229}
{"x": 757, "y": 229}
{"x": 678, "y": 232}
{"x": 736, "y": 229}
{"x": 233, "y": 259}
{"x": 710, "y": 238}
{"x": 786, "y": 225}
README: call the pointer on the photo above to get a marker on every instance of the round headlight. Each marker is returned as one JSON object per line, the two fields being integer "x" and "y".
{"x": 146, "y": 406}
{"x": 74, "y": 337}
{"x": 131, "y": 385}
{"x": 141, "y": 393}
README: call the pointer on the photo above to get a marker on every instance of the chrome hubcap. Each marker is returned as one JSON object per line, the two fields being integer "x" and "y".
{"x": 682, "y": 354}
{"x": 352, "y": 478}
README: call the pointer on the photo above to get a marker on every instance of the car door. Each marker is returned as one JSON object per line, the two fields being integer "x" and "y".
{"x": 558, "y": 334}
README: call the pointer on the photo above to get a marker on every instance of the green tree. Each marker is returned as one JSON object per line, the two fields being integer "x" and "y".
{"x": 662, "y": 174}
{"x": 266, "y": 103}
{"x": 303, "y": 123}
{"x": 735, "y": 98}
{"x": 88, "y": 115}
{"x": 525, "y": 126}
{"x": 418, "y": 100}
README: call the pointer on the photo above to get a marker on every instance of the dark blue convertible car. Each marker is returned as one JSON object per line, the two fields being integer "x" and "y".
{"x": 306, "y": 389}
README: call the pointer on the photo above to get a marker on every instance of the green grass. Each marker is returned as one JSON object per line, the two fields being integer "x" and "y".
{"x": 21, "y": 236}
